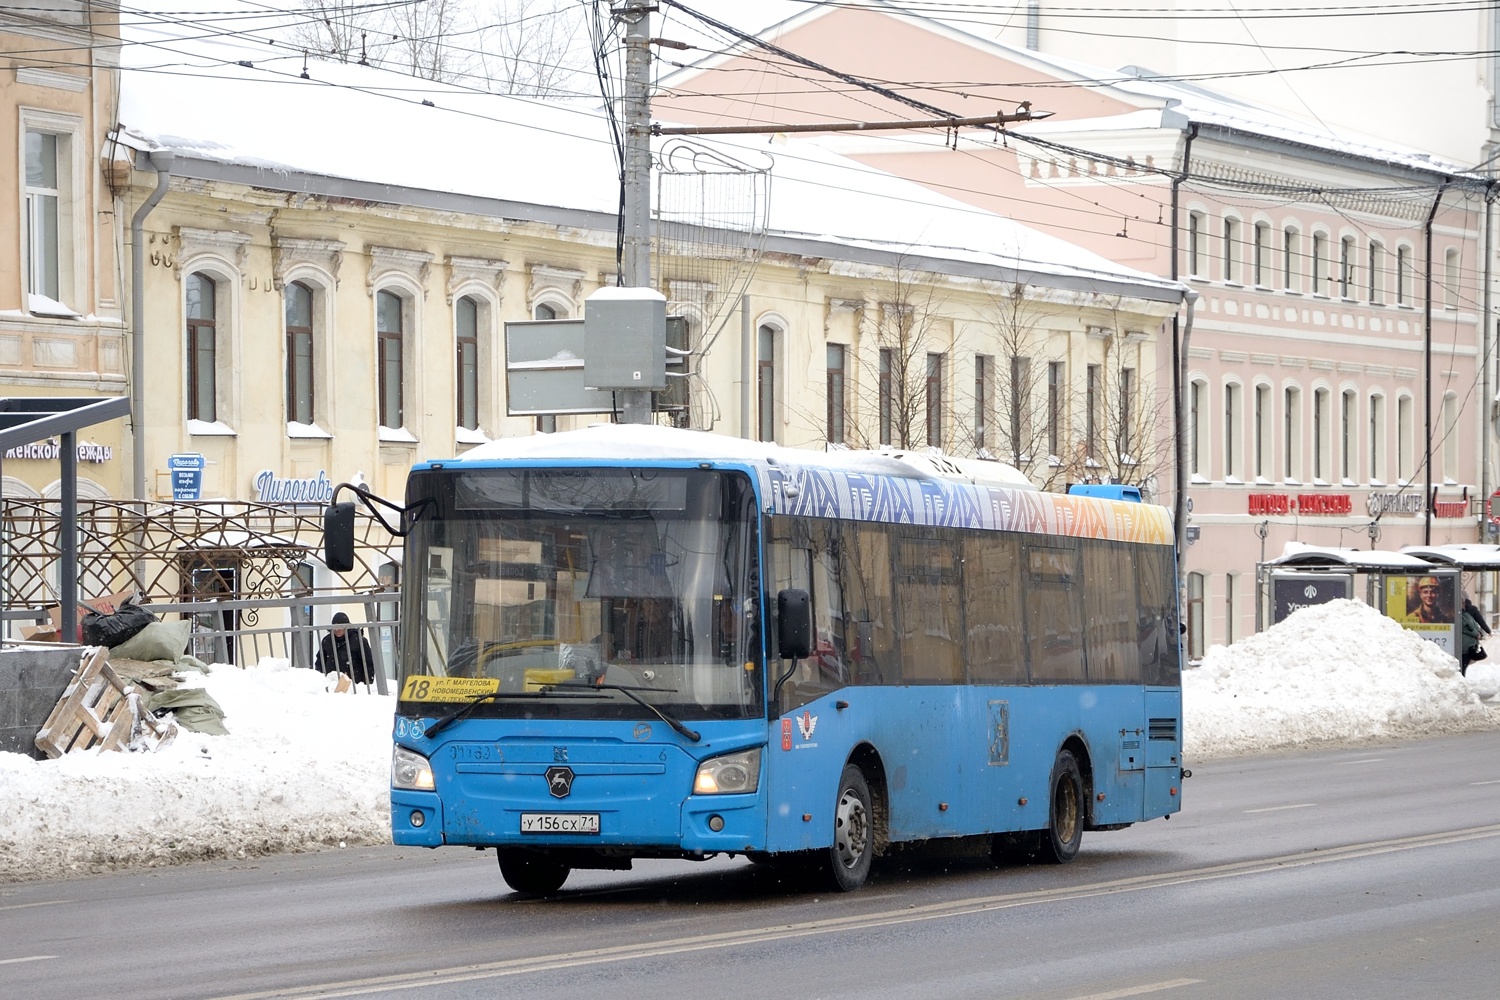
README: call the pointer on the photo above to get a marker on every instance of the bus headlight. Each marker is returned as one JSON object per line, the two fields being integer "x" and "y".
{"x": 732, "y": 773}
{"x": 411, "y": 770}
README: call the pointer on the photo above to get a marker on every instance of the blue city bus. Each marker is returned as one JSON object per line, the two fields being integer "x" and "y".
{"x": 639, "y": 642}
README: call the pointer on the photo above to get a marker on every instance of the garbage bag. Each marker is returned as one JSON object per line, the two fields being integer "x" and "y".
{"x": 112, "y": 629}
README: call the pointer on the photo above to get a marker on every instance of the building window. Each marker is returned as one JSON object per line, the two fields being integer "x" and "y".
{"x": 1263, "y": 433}
{"x": 1020, "y": 408}
{"x": 1126, "y": 442}
{"x": 1195, "y": 235}
{"x": 390, "y": 334}
{"x": 201, "y": 295}
{"x": 1377, "y": 440}
{"x": 466, "y": 336}
{"x": 1054, "y": 408}
{"x": 1195, "y": 589}
{"x": 1318, "y": 264}
{"x": 1231, "y": 250}
{"x": 1262, "y": 255}
{"x": 836, "y": 393}
{"x": 983, "y": 367}
{"x": 1403, "y": 440}
{"x": 1320, "y": 431}
{"x": 765, "y": 383}
{"x": 1348, "y": 456}
{"x": 1289, "y": 259}
{"x": 1197, "y": 399}
{"x": 1229, "y": 596}
{"x": 1232, "y": 434}
{"x": 1292, "y": 445}
{"x": 1091, "y": 396}
{"x": 1377, "y": 263}
{"x": 43, "y": 211}
{"x": 1450, "y": 438}
{"x": 1450, "y": 278}
{"x": 299, "y": 353}
{"x": 1403, "y": 276}
{"x": 934, "y": 400}
{"x": 1346, "y": 267}
{"x": 886, "y": 391}
{"x": 546, "y": 423}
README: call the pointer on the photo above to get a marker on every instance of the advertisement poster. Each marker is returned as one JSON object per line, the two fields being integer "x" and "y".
{"x": 1426, "y": 604}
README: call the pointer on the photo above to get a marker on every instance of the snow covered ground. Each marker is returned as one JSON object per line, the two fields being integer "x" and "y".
{"x": 304, "y": 769}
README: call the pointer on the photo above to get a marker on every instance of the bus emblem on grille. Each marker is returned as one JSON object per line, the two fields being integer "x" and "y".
{"x": 560, "y": 781}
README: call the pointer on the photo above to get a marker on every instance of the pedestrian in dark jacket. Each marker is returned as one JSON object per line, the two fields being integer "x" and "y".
{"x": 1474, "y": 629}
{"x": 346, "y": 654}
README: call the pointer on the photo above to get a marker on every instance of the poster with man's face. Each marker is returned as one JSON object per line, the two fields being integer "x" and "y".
{"x": 1424, "y": 603}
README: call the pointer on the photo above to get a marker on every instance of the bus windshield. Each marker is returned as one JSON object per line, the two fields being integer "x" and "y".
{"x": 554, "y": 588}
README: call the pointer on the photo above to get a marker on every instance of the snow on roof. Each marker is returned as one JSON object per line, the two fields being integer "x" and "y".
{"x": 240, "y": 102}
{"x": 1169, "y": 103}
{"x": 1303, "y": 554}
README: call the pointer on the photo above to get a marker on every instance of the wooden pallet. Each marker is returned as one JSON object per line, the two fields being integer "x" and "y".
{"x": 97, "y": 710}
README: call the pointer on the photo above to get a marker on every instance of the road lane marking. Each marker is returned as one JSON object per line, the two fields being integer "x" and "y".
{"x": 1135, "y": 991}
{"x": 28, "y": 958}
{"x": 1367, "y": 760}
{"x": 532, "y": 965}
{"x": 45, "y": 902}
{"x": 1493, "y": 781}
{"x": 1272, "y": 809}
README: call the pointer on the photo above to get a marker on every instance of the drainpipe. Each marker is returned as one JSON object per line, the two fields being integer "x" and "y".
{"x": 161, "y": 162}
{"x": 1486, "y": 342}
{"x": 1180, "y": 334}
{"x": 1427, "y": 362}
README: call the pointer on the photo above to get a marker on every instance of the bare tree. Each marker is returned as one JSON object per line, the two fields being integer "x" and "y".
{"x": 536, "y": 48}
{"x": 1129, "y": 440}
{"x": 335, "y": 30}
{"x": 421, "y": 43}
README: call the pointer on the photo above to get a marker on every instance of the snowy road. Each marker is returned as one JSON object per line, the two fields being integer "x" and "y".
{"x": 1352, "y": 873}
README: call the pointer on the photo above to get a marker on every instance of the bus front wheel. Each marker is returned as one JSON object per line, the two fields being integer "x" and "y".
{"x": 848, "y": 859}
{"x": 531, "y": 874}
{"x": 1064, "y": 833}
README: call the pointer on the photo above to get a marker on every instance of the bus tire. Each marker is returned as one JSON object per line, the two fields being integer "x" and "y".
{"x": 531, "y": 874}
{"x": 847, "y": 860}
{"x": 1066, "y": 812}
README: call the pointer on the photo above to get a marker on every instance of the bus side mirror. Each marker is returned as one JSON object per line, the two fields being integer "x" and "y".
{"x": 338, "y": 537}
{"x": 793, "y": 624}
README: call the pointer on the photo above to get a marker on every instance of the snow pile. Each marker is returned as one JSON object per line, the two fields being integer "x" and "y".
{"x": 1340, "y": 671}
{"x": 300, "y": 769}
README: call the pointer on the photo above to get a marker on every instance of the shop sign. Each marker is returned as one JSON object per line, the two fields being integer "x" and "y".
{"x": 1302, "y": 503}
{"x": 272, "y": 488}
{"x": 1450, "y": 508}
{"x": 187, "y": 475}
{"x": 51, "y": 450}
{"x": 1394, "y": 503}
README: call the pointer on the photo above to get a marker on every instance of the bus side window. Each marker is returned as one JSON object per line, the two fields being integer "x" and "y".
{"x": 1110, "y": 613}
{"x": 930, "y": 612}
{"x": 996, "y": 639}
{"x": 1054, "y": 616}
{"x": 865, "y": 558}
{"x": 1156, "y": 629}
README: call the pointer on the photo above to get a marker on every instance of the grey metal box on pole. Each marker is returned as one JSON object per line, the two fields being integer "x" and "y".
{"x": 625, "y": 339}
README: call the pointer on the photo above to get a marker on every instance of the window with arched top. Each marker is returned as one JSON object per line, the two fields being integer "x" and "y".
{"x": 1376, "y": 468}
{"x": 390, "y": 334}
{"x": 767, "y": 415}
{"x": 300, "y": 393}
{"x": 1348, "y": 437}
{"x": 200, "y": 298}
{"x": 1450, "y": 278}
{"x": 1290, "y": 249}
{"x": 466, "y": 339}
{"x": 1403, "y": 276}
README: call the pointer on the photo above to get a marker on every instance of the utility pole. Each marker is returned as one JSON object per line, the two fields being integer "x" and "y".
{"x": 635, "y": 404}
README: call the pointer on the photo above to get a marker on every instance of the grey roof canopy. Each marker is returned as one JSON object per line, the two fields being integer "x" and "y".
{"x": 24, "y": 419}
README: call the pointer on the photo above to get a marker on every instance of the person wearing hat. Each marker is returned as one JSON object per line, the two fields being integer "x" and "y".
{"x": 1429, "y": 608}
{"x": 346, "y": 654}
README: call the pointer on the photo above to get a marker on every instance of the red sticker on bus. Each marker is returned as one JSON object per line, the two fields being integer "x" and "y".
{"x": 786, "y": 734}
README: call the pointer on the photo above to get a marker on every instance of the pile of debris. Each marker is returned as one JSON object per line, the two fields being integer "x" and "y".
{"x": 128, "y": 691}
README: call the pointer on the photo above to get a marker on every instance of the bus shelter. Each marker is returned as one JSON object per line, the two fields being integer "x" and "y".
{"x": 1422, "y": 594}
{"x": 1479, "y": 560}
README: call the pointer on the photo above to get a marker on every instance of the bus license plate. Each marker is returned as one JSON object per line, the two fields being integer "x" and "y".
{"x": 559, "y": 822}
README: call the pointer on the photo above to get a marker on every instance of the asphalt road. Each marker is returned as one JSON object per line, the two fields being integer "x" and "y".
{"x": 1364, "y": 873}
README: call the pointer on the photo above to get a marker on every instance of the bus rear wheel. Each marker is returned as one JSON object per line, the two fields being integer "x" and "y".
{"x": 531, "y": 874}
{"x": 1064, "y": 833}
{"x": 847, "y": 860}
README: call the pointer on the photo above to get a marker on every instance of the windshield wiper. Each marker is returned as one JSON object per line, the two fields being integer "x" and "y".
{"x": 480, "y": 699}
{"x": 630, "y": 692}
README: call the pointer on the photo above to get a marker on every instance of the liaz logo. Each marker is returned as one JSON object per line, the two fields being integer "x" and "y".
{"x": 806, "y": 723}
